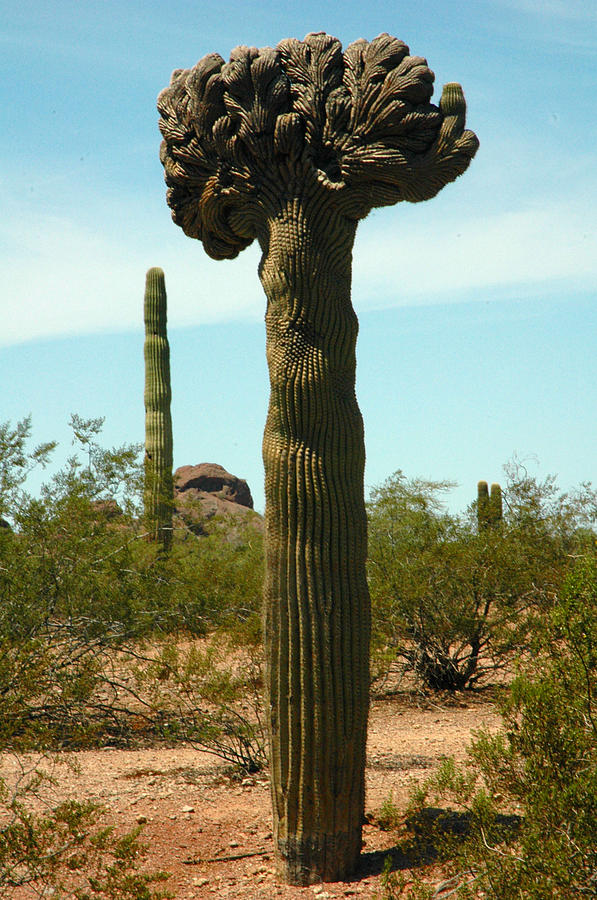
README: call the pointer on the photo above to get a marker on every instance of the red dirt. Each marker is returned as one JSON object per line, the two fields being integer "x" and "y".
{"x": 214, "y": 835}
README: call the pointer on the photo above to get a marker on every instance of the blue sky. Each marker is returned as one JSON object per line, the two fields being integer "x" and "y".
{"x": 477, "y": 309}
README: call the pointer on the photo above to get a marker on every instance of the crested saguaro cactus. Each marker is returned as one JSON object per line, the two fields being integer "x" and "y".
{"x": 293, "y": 146}
{"x": 158, "y": 421}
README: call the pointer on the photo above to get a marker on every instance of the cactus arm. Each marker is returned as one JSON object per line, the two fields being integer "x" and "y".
{"x": 482, "y": 505}
{"x": 495, "y": 504}
{"x": 489, "y": 506}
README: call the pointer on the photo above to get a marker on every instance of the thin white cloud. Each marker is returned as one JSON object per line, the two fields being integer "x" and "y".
{"x": 520, "y": 249}
{"x": 64, "y": 278}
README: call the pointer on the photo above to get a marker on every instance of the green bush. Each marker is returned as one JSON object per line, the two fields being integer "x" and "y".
{"x": 529, "y": 793}
{"x": 64, "y": 852}
{"x": 452, "y": 603}
{"x": 86, "y": 603}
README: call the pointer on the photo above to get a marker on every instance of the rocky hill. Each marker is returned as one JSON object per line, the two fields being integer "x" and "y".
{"x": 206, "y": 491}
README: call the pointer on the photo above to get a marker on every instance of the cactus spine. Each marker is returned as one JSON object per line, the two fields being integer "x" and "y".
{"x": 158, "y": 421}
{"x": 489, "y": 506}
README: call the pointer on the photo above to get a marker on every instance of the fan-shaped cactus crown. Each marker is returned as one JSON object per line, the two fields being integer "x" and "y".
{"x": 357, "y": 125}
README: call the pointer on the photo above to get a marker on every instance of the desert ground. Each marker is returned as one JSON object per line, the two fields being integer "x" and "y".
{"x": 213, "y": 833}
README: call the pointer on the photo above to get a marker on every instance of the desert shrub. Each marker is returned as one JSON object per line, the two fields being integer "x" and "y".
{"x": 451, "y": 603}
{"x": 69, "y": 594}
{"x": 206, "y": 695}
{"x": 220, "y": 576}
{"x": 87, "y": 606}
{"x": 389, "y": 816}
{"x": 64, "y": 851}
{"x": 530, "y": 792}
{"x": 17, "y": 460}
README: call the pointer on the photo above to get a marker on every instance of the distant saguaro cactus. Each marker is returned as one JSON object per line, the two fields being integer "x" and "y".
{"x": 482, "y": 505}
{"x": 158, "y": 421}
{"x": 293, "y": 147}
{"x": 495, "y": 504}
{"x": 489, "y": 506}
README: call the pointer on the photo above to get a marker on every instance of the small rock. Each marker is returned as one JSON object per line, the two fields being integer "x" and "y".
{"x": 141, "y": 820}
{"x": 188, "y": 809}
{"x": 233, "y": 844}
{"x": 200, "y": 882}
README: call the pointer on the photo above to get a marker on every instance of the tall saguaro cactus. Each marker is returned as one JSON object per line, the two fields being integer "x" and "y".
{"x": 158, "y": 421}
{"x": 293, "y": 146}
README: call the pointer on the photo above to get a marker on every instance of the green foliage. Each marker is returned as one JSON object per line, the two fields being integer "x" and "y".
{"x": 85, "y": 601}
{"x": 389, "y": 816}
{"x": 94, "y": 651}
{"x": 17, "y": 461}
{"x": 64, "y": 851}
{"x": 530, "y": 791}
{"x": 208, "y": 696}
{"x": 453, "y": 602}
{"x": 397, "y": 885}
{"x": 226, "y": 571}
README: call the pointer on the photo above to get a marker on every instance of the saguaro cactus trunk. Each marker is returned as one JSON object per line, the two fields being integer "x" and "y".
{"x": 316, "y": 600}
{"x": 294, "y": 146}
{"x": 158, "y": 421}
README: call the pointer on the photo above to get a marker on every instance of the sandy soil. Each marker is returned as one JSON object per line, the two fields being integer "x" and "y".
{"x": 214, "y": 835}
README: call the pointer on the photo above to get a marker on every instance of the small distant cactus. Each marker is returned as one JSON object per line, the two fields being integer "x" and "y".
{"x": 495, "y": 505}
{"x": 489, "y": 505}
{"x": 158, "y": 488}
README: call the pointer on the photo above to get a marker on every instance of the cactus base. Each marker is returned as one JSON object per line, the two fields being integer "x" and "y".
{"x": 315, "y": 858}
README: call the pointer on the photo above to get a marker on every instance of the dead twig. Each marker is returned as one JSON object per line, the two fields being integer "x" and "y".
{"x": 197, "y": 860}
